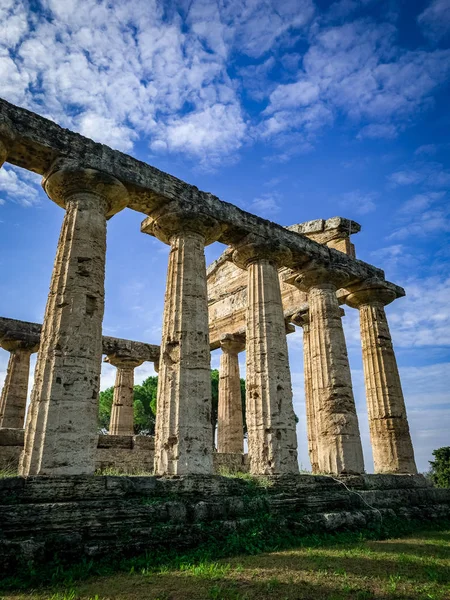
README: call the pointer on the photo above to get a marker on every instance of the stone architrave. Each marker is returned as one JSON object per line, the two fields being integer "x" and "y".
{"x": 61, "y": 430}
{"x": 122, "y": 411}
{"x": 338, "y": 438}
{"x": 302, "y": 319}
{"x": 183, "y": 441}
{"x": 389, "y": 430}
{"x": 6, "y": 139}
{"x": 230, "y": 428}
{"x": 13, "y": 399}
{"x": 271, "y": 427}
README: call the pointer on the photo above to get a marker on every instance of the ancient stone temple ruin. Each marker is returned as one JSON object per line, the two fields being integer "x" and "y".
{"x": 269, "y": 280}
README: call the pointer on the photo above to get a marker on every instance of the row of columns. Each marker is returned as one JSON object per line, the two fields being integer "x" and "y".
{"x": 60, "y": 436}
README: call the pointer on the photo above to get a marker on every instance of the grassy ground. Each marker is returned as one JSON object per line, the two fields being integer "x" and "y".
{"x": 414, "y": 567}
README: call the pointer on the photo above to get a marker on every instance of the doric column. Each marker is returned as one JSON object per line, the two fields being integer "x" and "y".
{"x": 389, "y": 430}
{"x": 183, "y": 443}
{"x": 122, "y": 411}
{"x": 6, "y": 138}
{"x": 230, "y": 428}
{"x": 311, "y": 402}
{"x": 61, "y": 430}
{"x": 338, "y": 438}
{"x": 13, "y": 400}
{"x": 272, "y": 437}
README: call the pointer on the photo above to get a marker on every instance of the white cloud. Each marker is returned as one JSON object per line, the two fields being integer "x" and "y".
{"x": 431, "y": 174}
{"x": 267, "y": 205}
{"x": 19, "y": 186}
{"x": 435, "y": 20}
{"x": 378, "y": 131}
{"x": 426, "y": 150}
{"x": 358, "y": 202}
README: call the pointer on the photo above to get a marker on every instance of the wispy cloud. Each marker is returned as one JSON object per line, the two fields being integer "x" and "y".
{"x": 435, "y": 21}
{"x": 358, "y": 202}
{"x": 431, "y": 174}
{"x": 267, "y": 205}
{"x": 19, "y": 186}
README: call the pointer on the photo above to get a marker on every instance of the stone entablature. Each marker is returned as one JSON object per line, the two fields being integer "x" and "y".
{"x": 24, "y": 331}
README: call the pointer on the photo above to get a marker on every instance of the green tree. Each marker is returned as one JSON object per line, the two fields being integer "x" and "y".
{"x": 440, "y": 467}
{"x": 144, "y": 403}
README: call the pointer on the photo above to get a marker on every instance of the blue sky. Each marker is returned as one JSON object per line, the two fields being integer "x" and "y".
{"x": 293, "y": 110}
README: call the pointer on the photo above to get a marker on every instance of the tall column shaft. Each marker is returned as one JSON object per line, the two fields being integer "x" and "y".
{"x": 271, "y": 427}
{"x": 13, "y": 399}
{"x": 61, "y": 430}
{"x": 122, "y": 413}
{"x": 338, "y": 437}
{"x": 230, "y": 431}
{"x": 389, "y": 430}
{"x": 183, "y": 423}
{"x": 310, "y": 400}
{"x": 122, "y": 410}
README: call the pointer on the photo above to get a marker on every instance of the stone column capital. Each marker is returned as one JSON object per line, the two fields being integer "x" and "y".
{"x": 301, "y": 318}
{"x": 66, "y": 179}
{"x": 318, "y": 276}
{"x": 7, "y": 137}
{"x": 257, "y": 250}
{"x": 123, "y": 362}
{"x": 173, "y": 219}
{"x": 371, "y": 293}
{"x": 14, "y": 345}
{"x": 232, "y": 343}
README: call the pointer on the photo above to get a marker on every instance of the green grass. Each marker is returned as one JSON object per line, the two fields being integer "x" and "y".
{"x": 263, "y": 534}
{"x": 8, "y": 472}
{"x": 340, "y": 567}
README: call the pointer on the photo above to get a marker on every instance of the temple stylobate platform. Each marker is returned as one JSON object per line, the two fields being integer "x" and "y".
{"x": 269, "y": 279}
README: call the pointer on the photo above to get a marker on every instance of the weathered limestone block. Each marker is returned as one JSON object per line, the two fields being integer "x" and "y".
{"x": 311, "y": 401}
{"x": 338, "y": 437}
{"x": 272, "y": 438}
{"x": 183, "y": 442}
{"x": 6, "y": 138}
{"x": 230, "y": 432}
{"x": 122, "y": 413}
{"x": 389, "y": 430}
{"x": 61, "y": 430}
{"x": 13, "y": 399}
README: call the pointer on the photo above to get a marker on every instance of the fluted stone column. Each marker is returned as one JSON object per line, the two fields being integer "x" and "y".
{"x": 338, "y": 438}
{"x": 272, "y": 437}
{"x": 183, "y": 443}
{"x": 311, "y": 402}
{"x": 230, "y": 428}
{"x": 61, "y": 429}
{"x": 389, "y": 430}
{"x": 122, "y": 410}
{"x": 13, "y": 400}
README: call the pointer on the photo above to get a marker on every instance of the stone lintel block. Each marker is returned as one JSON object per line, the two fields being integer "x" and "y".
{"x": 30, "y": 333}
{"x": 39, "y": 141}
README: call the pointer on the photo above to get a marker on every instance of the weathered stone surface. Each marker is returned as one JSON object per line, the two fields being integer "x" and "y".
{"x": 61, "y": 430}
{"x": 6, "y": 138}
{"x": 338, "y": 437}
{"x": 227, "y": 284}
{"x": 311, "y": 400}
{"x": 30, "y": 333}
{"x": 13, "y": 399}
{"x": 272, "y": 438}
{"x": 230, "y": 432}
{"x": 389, "y": 430}
{"x": 76, "y": 517}
{"x": 183, "y": 442}
{"x": 122, "y": 411}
